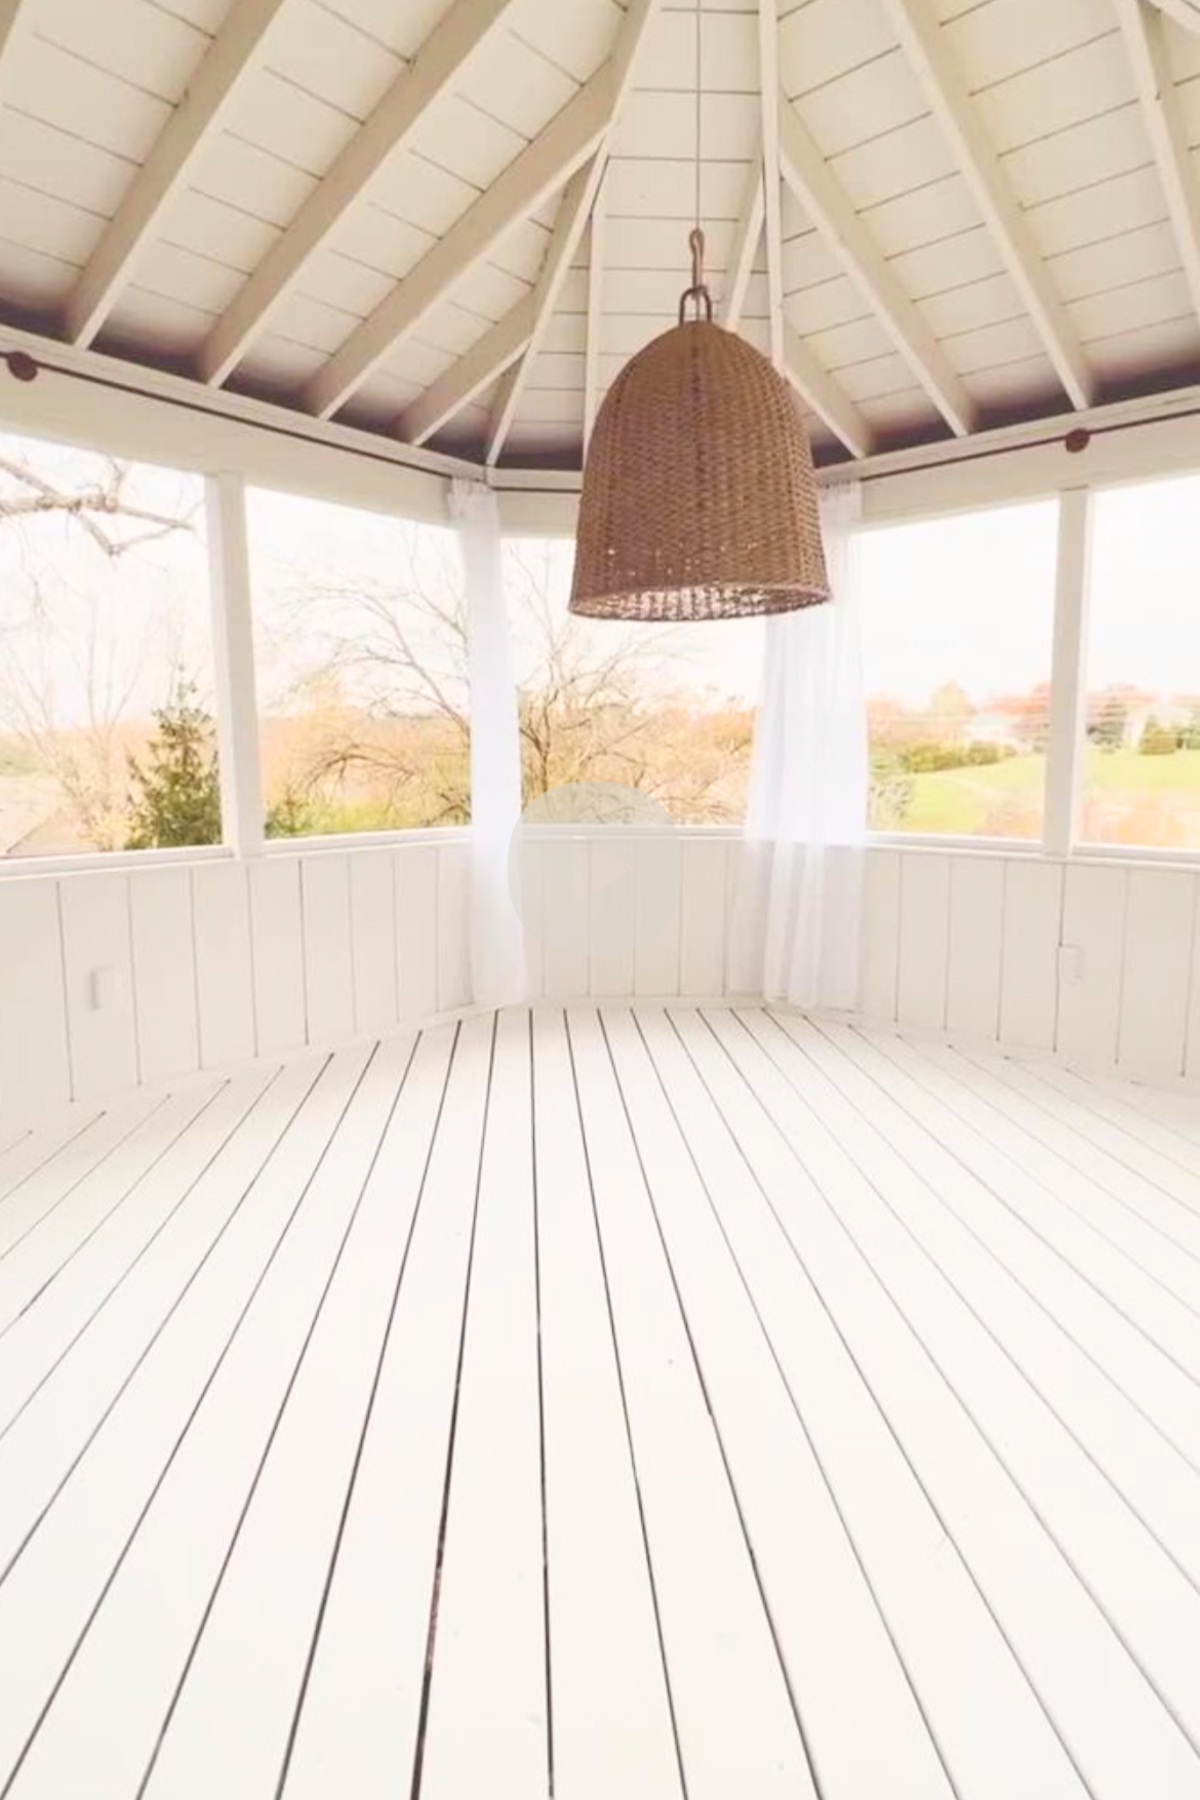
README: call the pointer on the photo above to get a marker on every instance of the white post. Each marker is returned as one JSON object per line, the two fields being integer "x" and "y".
{"x": 1068, "y": 679}
{"x": 233, "y": 662}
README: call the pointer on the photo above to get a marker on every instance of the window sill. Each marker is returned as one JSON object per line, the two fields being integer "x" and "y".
{"x": 1024, "y": 849}
{"x": 100, "y": 862}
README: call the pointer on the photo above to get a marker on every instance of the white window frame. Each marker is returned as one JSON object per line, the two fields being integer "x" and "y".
{"x": 1061, "y": 839}
{"x": 236, "y": 441}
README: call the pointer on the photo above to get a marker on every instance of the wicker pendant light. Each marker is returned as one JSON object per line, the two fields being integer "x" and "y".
{"x": 699, "y": 500}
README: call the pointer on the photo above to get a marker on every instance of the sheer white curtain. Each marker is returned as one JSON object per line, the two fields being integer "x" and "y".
{"x": 799, "y": 899}
{"x": 497, "y": 943}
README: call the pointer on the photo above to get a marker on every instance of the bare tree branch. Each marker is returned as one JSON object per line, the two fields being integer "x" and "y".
{"x": 86, "y": 506}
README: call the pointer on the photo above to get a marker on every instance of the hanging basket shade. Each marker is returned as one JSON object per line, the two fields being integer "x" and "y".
{"x": 698, "y": 498}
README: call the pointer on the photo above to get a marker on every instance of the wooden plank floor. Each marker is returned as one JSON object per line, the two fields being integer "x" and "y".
{"x": 611, "y": 1403}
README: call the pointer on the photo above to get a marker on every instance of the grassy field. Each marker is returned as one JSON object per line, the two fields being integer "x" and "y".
{"x": 1129, "y": 798}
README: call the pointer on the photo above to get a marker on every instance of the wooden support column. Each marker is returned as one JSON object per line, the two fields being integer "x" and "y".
{"x": 1068, "y": 680}
{"x": 233, "y": 664}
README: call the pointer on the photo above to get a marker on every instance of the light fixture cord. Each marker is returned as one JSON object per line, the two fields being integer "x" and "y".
{"x": 696, "y": 240}
{"x": 698, "y": 113}
{"x": 697, "y": 292}
{"x": 698, "y": 23}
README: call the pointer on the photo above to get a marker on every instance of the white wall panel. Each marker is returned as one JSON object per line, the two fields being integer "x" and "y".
{"x": 656, "y": 936}
{"x": 531, "y": 914}
{"x": 373, "y": 941}
{"x": 328, "y": 958}
{"x": 164, "y": 973}
{"x": 224, "y": 963}
{"x": 976, "y": 941}
{"x": 98, "y": 965}
{"x": 453, "y": 926}
{"x": 415, "y": 878}
{"x": 1158, "y": 954}
{"x": 35, "y": 1060}
{"x": 277, "y": 936}
{"x": 924, "y": 940}
{"x": 704, "y": 913}
{"x": 566, "y": 880}
{"x": 211, "y": 963}
{"x": 880, "y": 934}
{"x": 1029, "y": 982}
{"x": 1093, "y": 936}
{"x": 1191, "y": 1053}
{"x": 612, "y": 910}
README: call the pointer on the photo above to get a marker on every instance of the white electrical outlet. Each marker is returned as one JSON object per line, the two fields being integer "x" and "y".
{"x": 101, "y": 988}
{"x": 1070, "y": 964}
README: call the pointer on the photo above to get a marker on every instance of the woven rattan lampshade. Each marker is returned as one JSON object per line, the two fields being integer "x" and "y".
{"x": 698, "y": 498}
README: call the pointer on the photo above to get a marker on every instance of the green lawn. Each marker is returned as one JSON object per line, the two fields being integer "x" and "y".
{"x": 1130, "y": 798}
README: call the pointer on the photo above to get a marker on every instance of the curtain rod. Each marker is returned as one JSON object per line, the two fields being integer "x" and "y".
{"x": 22, "y": 366}
{"x": 1075, "y": 440}
{"x": 25, "y": 367}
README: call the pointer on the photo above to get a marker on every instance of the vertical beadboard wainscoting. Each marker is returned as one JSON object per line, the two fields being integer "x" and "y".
{"x": 611, "y": 914}
{"x": 1094, "y": 960}
{"x": 112, "y": 979}
{"x": 134, "y": 976}
{"x": 142, "y": 975}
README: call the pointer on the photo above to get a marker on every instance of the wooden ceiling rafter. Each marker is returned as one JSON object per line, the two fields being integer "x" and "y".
{"x": 235, "y": 55}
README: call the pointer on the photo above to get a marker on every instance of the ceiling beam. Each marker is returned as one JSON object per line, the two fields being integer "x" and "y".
{"x": 595, "y": 319}
{"x": 1184, "y": 12}
{"x": 527, "y": 183}
{"x": 570, "y": 223}
{"x": 768, "y": 66}
{"x": 508, "y": 340}
{"x": 817, "y": 387}
{"x": 573, "y": 214}
{"x": 930, "y": 57}
{"x": 475, "y": 370}
{"x": 746, "y": 240}
{"x": 15, "y": 26}
{"x": 808, "y": 175}
{"x": 235, "y": 55}
{"x": 463, "y": 34}
{"x": 1145, "y": 43}
{"x": 8, "y": 19}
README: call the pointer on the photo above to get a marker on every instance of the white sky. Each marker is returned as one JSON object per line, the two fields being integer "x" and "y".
{"x": 971, "y": 598}
{"x": 90, "y": 631}
{"x": 968, "y": 599}
{"x": 1145, "y": 587}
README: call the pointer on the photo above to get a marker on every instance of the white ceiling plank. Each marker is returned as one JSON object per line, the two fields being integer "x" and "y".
{"x": 461, "y": 36}
{"x": 745, "y": 246}
{"x": 574, "y": 211}
{"x": 811, "y": 180}
{"x": 1144, "y": 35}
{"x": 530, "y": 180}
{"x": 234, "y": 56}
{"x": 818, "y": 389}
{"x": 467, "y": 378}
{"x": 595, "y": 318}
{"x": 931, "y": 59}
{"x": 1184, "y": 13}
{"x": 771, "y": 99}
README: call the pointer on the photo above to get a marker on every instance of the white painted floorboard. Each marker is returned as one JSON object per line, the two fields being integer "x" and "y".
{"x": 667, "y": 1404}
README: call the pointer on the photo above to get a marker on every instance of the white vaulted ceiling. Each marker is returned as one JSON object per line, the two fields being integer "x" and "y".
{"x": 452, "y": 223}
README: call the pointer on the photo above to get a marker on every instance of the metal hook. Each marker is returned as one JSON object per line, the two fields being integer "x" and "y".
{"x": 696, "y": 245}
{"x": 698, "y": 291}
